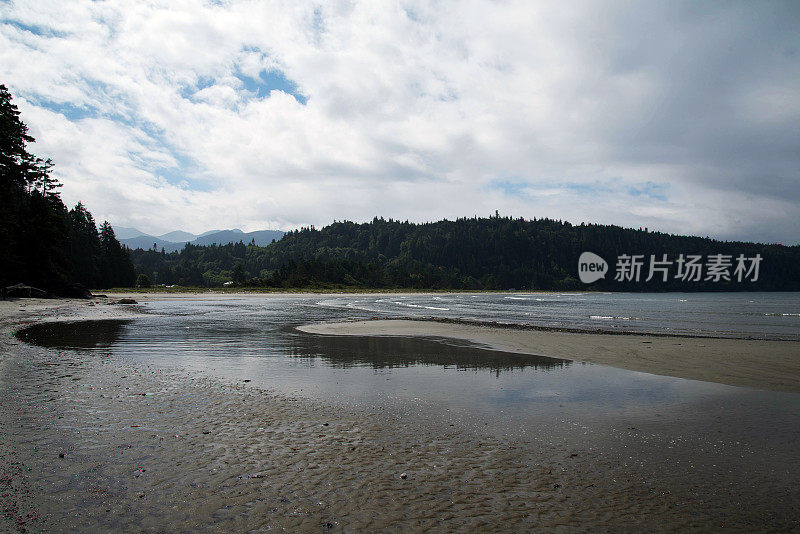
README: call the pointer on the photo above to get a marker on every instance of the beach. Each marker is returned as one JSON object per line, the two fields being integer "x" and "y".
{"x": 90, "y": 442}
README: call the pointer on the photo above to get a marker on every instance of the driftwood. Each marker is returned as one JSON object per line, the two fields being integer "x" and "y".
{"x": 23, "y": 291}
{"x": 74, "y": 291}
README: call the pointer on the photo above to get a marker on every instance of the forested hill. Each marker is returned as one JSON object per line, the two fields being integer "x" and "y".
{"x": 475, "y": 253}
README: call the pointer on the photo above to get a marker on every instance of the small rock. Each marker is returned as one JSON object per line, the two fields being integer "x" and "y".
{"x": 126, "y": 301}
{"x": 61, "y": 455}
{"x": 403, "y": 476}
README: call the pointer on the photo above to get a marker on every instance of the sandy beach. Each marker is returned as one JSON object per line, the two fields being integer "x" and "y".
{"x": 773, "y": 365}
{"x": 89, "y": 442}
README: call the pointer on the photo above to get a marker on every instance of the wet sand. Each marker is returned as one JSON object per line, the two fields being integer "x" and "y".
{"x": 89, "y": 442}
{"x": 773, "y": 365}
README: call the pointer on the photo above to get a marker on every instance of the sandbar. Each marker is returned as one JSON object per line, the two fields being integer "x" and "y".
{"x": 773, "y": 365}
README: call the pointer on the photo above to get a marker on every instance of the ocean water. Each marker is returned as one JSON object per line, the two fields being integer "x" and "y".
{"x": 253, "y": 338}
{"x": 758, "y": 315}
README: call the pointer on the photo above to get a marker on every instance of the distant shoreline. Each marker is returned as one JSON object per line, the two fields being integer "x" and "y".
{"x": 337, "y": 291}
{"x": 400, "y": 290}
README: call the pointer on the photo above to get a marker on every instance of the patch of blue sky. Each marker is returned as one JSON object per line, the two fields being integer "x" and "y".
{"x": 449, "y": 95}
{"x": 411, "y": 14}
{"x": 67, "y": 109}
{"x": 526, "y": 189}
{"x": 102, "y": 102}
{"x": 588, "y": 188}
{"x": 75, "y": 112}
{"x": 318, "y": 25}
{"x": 184, "y": 173}
{"x": 511, "y": 188}
{"x": 270, "y": 80}
{"x": 188, "y": 91}
{"x": 42, "y": 31}
{"x": 648, "y": 189}
{"x": 183, "y": 176}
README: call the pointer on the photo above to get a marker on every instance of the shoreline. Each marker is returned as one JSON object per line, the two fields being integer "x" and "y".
{"x": 224, "y": 294}
{"x": 92, "y": 442}
{"x": 760, "y": 364}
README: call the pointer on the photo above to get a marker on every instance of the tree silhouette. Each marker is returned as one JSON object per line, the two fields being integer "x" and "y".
{"x": 41, "y": 243}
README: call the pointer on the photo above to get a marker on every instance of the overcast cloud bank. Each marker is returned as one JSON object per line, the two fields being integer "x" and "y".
{"x": 681, "y": 117}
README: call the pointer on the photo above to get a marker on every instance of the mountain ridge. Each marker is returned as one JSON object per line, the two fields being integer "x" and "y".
{"x": 177, "y": 239}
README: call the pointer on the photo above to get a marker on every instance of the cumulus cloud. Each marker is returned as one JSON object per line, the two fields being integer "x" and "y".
{"x": 681, "y": 117}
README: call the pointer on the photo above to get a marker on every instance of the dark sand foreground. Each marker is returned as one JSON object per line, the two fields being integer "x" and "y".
{"x": 92, "y": 443}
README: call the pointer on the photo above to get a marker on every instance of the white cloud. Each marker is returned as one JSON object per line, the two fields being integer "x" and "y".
{"x": 414, "y": 110}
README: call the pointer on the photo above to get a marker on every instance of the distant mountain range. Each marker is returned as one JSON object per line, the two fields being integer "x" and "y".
{"x": 177, "y": 239}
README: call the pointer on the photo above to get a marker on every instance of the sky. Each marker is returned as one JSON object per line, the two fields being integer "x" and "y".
{"x": 681, "y": 117}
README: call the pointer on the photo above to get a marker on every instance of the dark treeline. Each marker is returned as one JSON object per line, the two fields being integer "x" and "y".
{"x": 471, "y": 253}
{"x": 41, "y": 243}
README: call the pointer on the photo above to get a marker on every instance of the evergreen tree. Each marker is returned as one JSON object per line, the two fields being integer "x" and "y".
{"x": 41, "y": 243}
{"x": 84, "y": 247}
{"x": 116, "y": 268}
{"x": 33, "y": 218}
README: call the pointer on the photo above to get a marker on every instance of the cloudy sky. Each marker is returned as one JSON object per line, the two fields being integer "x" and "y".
{"x": 195, "y": 115}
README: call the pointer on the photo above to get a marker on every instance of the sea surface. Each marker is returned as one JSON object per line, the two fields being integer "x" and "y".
{"x": 738, "y": 315}
{"x": 252, "y": 339}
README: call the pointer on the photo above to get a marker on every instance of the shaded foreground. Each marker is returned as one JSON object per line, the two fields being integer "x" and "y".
{"x": 145, "y": 448}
